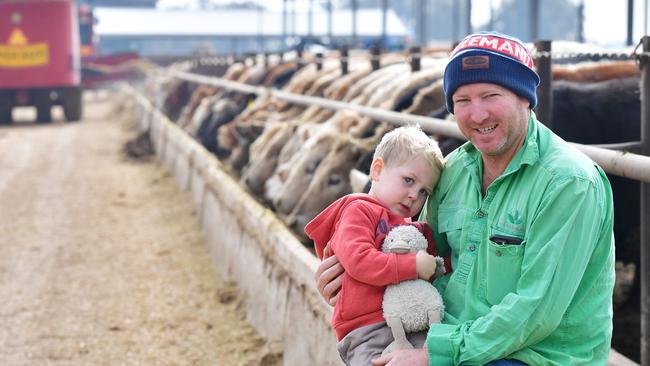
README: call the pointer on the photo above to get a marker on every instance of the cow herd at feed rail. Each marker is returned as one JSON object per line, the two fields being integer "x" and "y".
{"x": 298, "y": 158}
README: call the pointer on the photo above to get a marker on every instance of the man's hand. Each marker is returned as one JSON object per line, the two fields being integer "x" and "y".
{"x": 425, "y": 265}
{"x": 404, "y": 357}
{"x": 329, "y": 278}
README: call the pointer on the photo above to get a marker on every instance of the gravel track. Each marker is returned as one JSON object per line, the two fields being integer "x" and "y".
{"x": 102, "y": 260}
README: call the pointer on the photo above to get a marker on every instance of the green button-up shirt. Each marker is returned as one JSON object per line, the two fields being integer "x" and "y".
{"x": 533, "y": 259}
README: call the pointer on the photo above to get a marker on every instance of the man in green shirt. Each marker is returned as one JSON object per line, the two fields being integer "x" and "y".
{"x": 527, "y": 220}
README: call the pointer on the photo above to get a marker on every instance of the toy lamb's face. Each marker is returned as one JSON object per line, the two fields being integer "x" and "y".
{"x": 404, "y": 239}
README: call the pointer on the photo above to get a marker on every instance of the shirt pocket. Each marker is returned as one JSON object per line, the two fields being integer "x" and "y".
{"x": 503, "y": 266}
{"x": 450, "y": 224}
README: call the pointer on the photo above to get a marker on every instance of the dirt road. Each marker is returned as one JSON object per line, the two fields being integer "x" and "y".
{"x": 101, "y": 259}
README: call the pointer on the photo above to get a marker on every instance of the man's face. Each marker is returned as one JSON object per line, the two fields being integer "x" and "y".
{"x": 493, "y": 118}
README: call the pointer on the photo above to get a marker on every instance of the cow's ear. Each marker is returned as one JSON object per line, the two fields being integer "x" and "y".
{"x": 376, "y": 167}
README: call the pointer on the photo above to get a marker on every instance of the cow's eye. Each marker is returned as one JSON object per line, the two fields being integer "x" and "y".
{"x": 334, "y": 180}
{"x": 311, "y": 168}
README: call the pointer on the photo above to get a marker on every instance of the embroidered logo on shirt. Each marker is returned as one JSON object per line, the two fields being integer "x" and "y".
{"x": 514, "y": 217}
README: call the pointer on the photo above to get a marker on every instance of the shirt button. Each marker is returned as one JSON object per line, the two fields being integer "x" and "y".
{"x": 498, "y": 253}
{"x": 472, "y": 248}
{"x": 480, "y": 214}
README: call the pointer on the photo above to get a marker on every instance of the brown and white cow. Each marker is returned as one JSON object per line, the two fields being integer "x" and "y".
{"x": 332, "y": 177}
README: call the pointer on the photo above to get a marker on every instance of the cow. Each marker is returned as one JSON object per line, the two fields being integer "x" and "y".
{"x": 597, "y": 113}
{"x": 259, "y": 169}
{"x": 596, "y": 71}
{"x": 296, "y": 167}
{"x": 330, "y": 181}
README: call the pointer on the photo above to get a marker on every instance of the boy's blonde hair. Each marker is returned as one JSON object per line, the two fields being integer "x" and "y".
{"x": 407, "y": 142}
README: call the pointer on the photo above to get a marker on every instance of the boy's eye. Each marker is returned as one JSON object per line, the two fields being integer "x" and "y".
{"x": 408, "y": 180}
{"x": 424, "y": 193}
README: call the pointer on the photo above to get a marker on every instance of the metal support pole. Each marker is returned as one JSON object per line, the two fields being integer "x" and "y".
{"x": 630, "y": 21}
{"x": 581, "y": 22}
{"x": 421, "y": 16}
{"x": 293, "y": 20}
{"x": 384, "y": 11}
{"x": 645, "y": 17}
{"x": 645, "y": 207}
{"x": 319, "y": 61}
{"x": 491, "y": 21}
{"x": 544, "y": 109}
{"x": 354, "y": 23}
{"x": 455, "y": 19}
{"x": 534, "y": 19}
{"x": 344, "y": 60}
{"x": 284, "y": 26}
{"x": 468, "y": 16}
{"x": 260, "y": 25}
{"x": 310, "y": 31}
{"x": 329, "y": 20}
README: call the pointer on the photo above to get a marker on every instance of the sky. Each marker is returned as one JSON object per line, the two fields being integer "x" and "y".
{"x": 605, "y": 20}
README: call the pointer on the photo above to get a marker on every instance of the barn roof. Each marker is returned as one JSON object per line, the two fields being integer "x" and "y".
{"x": 155, "y": 22}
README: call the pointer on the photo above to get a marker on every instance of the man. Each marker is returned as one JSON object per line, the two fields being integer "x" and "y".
{"x": 527, "y": 220}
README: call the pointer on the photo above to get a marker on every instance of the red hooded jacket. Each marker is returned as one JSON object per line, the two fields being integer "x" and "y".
{"x": 355, "y": 227}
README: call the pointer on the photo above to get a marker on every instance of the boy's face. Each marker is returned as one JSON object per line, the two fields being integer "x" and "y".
{"x": 402, "y": 187}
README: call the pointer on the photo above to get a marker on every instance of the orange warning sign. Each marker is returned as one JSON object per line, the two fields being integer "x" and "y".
{"x": 17, "y": 38}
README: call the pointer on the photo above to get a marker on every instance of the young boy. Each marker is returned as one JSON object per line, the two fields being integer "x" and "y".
{"x": 405, "y": 168}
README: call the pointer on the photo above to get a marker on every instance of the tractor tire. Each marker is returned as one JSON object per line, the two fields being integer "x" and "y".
{"x": 5, "y": 116}
{"x": 43, "y": 113}
{"x": 72, "y": 106}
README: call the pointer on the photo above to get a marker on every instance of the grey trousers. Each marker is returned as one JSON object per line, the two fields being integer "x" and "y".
{"x": 361, "y": 345}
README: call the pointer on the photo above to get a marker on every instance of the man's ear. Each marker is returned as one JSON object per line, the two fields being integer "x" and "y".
{"x": 375, "y": 168}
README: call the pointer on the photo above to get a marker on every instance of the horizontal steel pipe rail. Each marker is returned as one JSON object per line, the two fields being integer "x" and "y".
{"x": 615, "y": 162}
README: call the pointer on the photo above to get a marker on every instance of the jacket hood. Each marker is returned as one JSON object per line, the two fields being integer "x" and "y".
{"x": 321, "y": 228}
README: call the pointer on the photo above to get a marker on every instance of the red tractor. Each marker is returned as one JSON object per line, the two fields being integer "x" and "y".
{"x": 40, "y": 58}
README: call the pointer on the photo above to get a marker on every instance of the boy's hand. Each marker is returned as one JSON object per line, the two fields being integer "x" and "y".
{"x": 425, "y": 265}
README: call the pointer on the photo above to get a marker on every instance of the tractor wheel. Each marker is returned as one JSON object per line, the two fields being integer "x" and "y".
{"x": 72, "y": 106}
{"x": 43, "y": 113}
{"x": 5, "y": 116}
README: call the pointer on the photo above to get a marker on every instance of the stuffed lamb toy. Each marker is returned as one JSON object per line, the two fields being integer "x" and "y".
{"x": 413, "y": 305}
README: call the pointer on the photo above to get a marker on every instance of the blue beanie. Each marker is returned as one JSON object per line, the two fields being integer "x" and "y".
{"x": 491, "y": 57}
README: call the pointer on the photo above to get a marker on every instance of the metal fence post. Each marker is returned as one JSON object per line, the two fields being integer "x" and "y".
{"x": 645, "y": 206}
{"x": 375, "y": 61}
{"x": 415, "y": 56}
{"x": 544, "y": 108}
